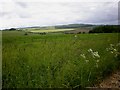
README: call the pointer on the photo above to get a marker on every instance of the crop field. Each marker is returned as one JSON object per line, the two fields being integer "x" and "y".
{"x": 57, "y": 60}
{"x": 54, "y": 30}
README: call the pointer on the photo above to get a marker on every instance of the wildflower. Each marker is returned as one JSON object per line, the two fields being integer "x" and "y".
{"x": 111, "y": 51}
{"x": 118, "y": 44}
{"x": 90, "y": 50}
{"x": 107, "y": 49}
{"x": 75, "y": 36}
{"x": 114, "y": 49}
{"x": 96, "y": 54}
{"x": 111, "y": 45}
{"x": 82, "y": 55}
{"x": 87, "y": 61}
{"x": 97, "y": 61}
{"x": 116, "y": 55}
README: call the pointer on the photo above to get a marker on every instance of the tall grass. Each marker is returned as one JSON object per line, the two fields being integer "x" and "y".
{"x": 0, "y": 59}
{"x": 57, "y": 60}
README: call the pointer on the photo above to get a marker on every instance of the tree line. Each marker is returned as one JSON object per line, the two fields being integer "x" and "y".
{"x": 106, "y": 29}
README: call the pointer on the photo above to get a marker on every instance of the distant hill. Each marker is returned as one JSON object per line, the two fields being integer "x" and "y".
{"x": 63, "y": 26}
{"x": 73, "y": 26}
{"x": 57, "y": 27}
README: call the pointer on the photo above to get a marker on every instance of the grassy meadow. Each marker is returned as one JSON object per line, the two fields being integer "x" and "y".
{"x": 57, "y": 60}
{"x": 0, "y": 59}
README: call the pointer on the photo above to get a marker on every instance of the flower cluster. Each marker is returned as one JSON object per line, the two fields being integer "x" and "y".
{"x": 94, "y": 54}
{"x": 75, "y": 36}
{"x": 83, "y": 55}
{"x": 113, "y": 50}
{"x": 118, "y": 44}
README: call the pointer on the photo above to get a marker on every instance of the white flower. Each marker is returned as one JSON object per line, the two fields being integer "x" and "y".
{"x": 93, "y": 54}
{"x": 118, "y": 44}
{"x": 97, "y": 61}
{"x": 107, "y": 49}
{"x": 114, "y": 49}
{"x": 90, "y": 50}
{"x": 82, "y": 55}
{"x": 96, "y": 54}
{"x": 87, "y": 61}
{"x": 111, "y": 45}
{"x": 116, "y": 55}
{"x": 75, "y": 36}
{"x": 111, "y": 51}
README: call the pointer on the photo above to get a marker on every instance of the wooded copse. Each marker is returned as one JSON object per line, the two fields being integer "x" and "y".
{"x": 106, "y": 29}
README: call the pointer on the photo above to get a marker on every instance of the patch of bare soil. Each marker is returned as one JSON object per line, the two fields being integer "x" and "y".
{"x": 113, "y": 81}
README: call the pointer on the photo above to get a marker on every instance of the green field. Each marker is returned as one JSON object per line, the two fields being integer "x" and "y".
{"x": 57, "y": 60}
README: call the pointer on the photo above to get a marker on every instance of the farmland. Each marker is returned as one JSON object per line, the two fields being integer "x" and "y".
{"x": 57, "y": 60}
{"x": 54, "y": 30}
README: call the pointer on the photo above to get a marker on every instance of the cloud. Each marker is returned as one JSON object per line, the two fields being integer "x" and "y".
{"x": 20, "y": 14}
{"x": 22, "y": 4}
{"x": 62, "y": 0}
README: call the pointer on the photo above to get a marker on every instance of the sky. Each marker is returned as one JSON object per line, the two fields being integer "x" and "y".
{"x": 27, "y": 13}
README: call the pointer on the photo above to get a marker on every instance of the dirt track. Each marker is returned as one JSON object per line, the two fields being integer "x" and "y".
{"x": 113, "y": 81}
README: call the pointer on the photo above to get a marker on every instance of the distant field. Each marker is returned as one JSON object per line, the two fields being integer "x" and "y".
{"x": 57, "y": 60}
{"x": 53, "y": 30}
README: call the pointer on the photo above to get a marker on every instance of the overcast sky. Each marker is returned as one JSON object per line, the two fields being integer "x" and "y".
{"x": 17, "y": 13}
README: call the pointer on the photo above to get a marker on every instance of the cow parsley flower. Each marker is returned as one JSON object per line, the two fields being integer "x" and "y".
{"x": 107, "y": 49}
{"x": 118, "y": 44}
{"x": 111, "y": 45}
{"x": 75, "y": 36}
{"x": 115, "y": 49}
{"x": 111, "y": 51}
{"x": 97, "y": 61}
{"x": 90, "y": 50}
{"x": 87, "y": 61}
{"x": 83, "y": 55}
{"x": 96, "y": 54}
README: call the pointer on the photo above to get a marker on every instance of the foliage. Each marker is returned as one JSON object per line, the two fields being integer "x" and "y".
{"x": 106, "y": 29}
{"x": 57, "y": 60}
